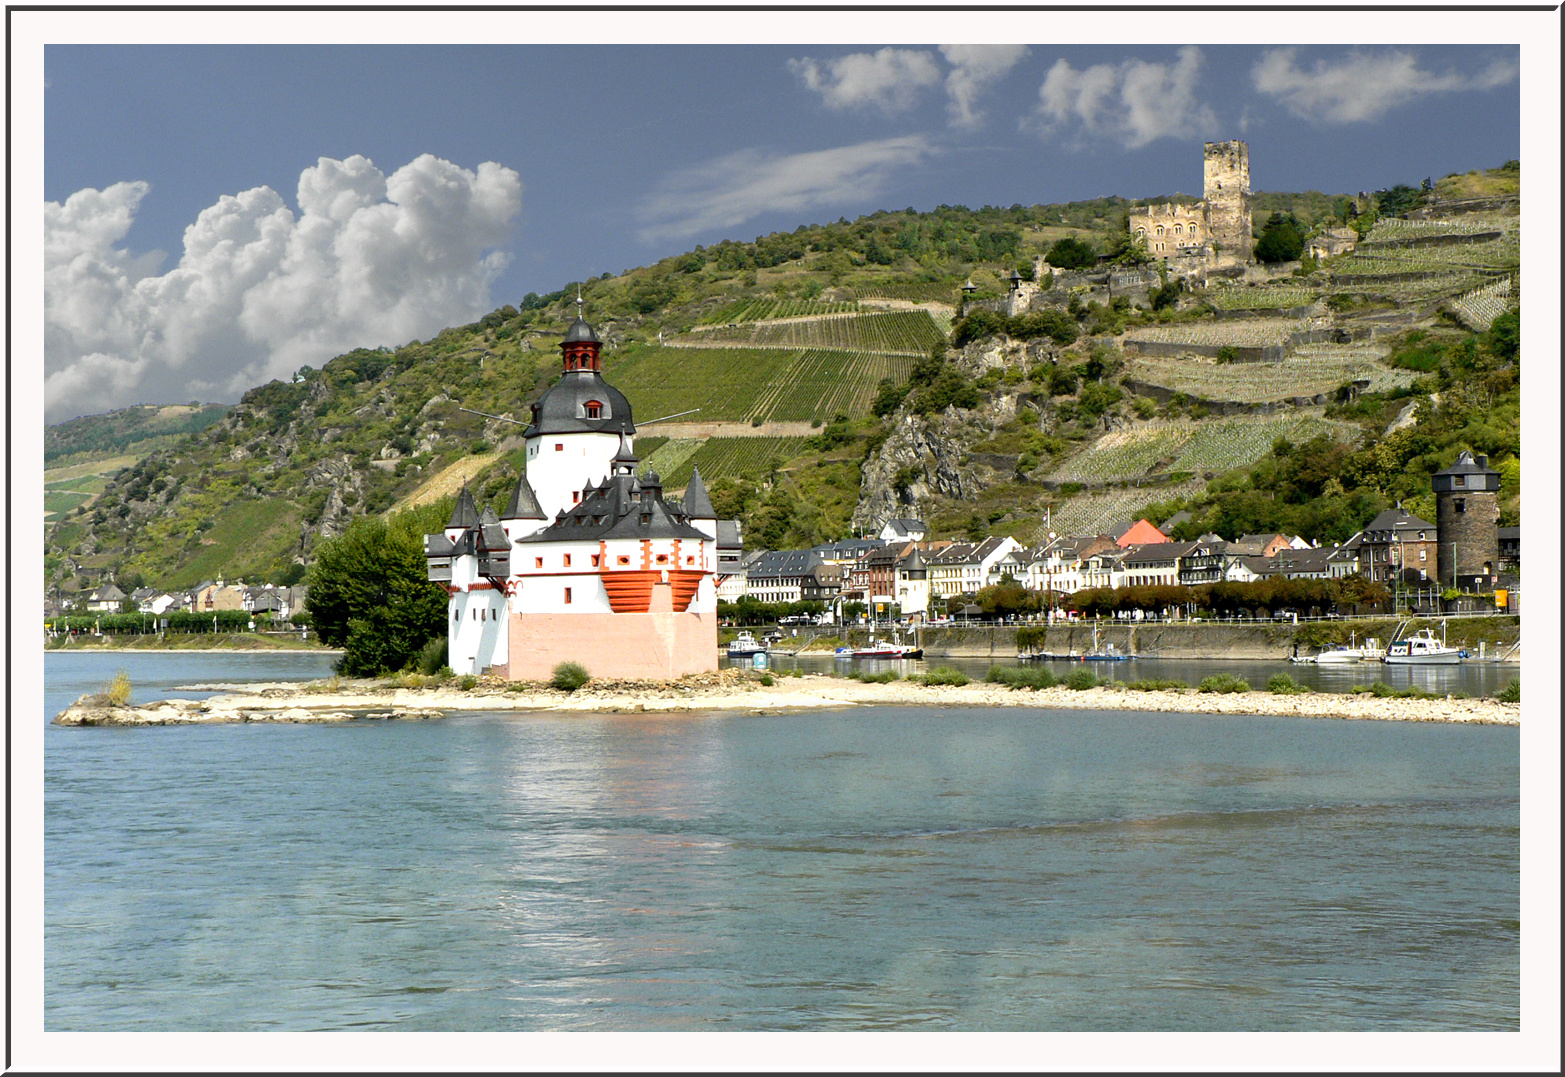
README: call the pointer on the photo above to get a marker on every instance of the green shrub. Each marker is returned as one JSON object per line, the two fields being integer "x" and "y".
{"x": 432, "y": 656}
{"x": 1511, "y": 693}
{"x": 1081, "y": 679}
{"x": 945, "y": 675}
{"x": 1014, "y": 677}
{"x": 766, "y": 680}
{"x": 466, "y": 682}
{"x": 1224, "y": 682}
{"x": 1283, "y": 684}
{"x": 569, "y": 676}
{"x": 1155, "y": 685}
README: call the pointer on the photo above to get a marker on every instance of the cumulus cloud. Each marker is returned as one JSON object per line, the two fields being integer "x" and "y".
{"x": 259, "y": 291}
{"x": 974, "y": 68}
{"x": 734, "y": 188}
{"x": 1134, "y": 102}
{"x": 1361, "y": 86}
{"x": 889, "y": 80}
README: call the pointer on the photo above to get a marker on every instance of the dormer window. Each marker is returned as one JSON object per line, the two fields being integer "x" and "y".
{"x": 594, "y": 409}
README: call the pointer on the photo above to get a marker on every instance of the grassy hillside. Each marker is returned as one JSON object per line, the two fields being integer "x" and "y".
{"x": 135, "y": 430}
{"x": 830, "y": 327}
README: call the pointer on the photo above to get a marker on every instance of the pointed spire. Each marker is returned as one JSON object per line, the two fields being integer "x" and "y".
{"x": 698, "y": 506}
{"x": 625, "y": 454}
{"x": 524, "y": 503}
{"x": 465, "y": 514}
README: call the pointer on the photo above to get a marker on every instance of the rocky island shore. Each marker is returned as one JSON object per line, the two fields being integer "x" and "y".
{"x": 739, "y": 691}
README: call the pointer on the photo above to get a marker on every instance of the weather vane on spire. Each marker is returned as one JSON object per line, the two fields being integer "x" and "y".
{"x": 578, "y": 303}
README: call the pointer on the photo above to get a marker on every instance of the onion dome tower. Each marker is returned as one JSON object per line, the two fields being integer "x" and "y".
{"x": 577, "y": 424}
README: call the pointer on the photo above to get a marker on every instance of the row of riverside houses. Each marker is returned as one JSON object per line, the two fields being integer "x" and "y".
{"x": 208, "y": 596}
{"x": 899, "y": 568}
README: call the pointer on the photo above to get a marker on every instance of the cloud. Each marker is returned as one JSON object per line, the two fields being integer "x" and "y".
{"x": 732, "y": 189}
{"x": 974, "y": 68}
{"x": 1363, "y": 85}
{"x": 889, "y": 80}
{"x": 1134, "y": 102}
{"x": 259, "y": 291}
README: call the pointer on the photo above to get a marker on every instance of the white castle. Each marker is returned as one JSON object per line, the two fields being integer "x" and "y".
{"x": 589, "y": 562}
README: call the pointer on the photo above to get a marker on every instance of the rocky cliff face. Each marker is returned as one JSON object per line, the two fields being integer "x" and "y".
{"x": 928, "y": 457}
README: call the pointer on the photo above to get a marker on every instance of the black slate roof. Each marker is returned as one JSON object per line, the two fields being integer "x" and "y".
{"x": 466, "y": 512}
{"x": 524, "y": 503}
{"x": 562, "y": 409}
{"x": 621, "y": 507}
{"x": 697, "y": 504}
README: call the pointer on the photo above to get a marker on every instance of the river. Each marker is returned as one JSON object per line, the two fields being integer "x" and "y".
{"x": 865, "y": 868}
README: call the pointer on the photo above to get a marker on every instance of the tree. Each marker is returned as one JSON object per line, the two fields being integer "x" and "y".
{"x": 1282, "y": 239}
{"x": 1071, "y": 253}
{"x": 370, "y": 595}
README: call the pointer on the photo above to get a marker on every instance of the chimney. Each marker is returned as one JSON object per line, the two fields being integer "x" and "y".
{"x": 1483, "y": 461}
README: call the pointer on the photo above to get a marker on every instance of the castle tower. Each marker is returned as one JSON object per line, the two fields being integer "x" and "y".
{"x": 576, "y": 425}
{"x": 1227, "y": 196}
{"x": 1467, "y": 515}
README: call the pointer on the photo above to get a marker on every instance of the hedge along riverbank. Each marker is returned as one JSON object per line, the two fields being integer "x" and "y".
{"x": 139, "y": 624}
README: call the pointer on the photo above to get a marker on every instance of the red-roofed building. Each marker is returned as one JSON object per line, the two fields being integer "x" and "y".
{"x": 1139, "y": 533}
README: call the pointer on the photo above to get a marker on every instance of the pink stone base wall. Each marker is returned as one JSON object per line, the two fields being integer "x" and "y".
{"x": 639, "y": 645}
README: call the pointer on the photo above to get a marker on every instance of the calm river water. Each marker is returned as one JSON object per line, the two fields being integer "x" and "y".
{"x": 859, "y": 869}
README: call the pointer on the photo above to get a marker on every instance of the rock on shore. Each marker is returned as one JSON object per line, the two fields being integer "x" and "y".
{"x": 736, "y": 690}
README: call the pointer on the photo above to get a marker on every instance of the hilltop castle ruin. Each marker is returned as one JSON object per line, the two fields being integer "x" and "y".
{"x": 1216, "y": 230}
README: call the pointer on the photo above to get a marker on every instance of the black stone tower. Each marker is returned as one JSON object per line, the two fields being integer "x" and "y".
{"x": 1467, "y": 515}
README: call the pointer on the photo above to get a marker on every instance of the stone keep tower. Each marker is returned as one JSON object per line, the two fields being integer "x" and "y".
{"x": 1228, "y": 199}
{"x": 1467, "y": 514}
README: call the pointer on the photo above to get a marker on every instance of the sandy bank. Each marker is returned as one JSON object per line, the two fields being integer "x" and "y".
{"x": 734, "y": 690}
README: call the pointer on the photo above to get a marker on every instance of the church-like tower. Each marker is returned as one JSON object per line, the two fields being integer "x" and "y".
{"x": 576, "y": 425}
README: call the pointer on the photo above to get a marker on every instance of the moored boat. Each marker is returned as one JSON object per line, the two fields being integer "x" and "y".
{"x": 1346, "y": 653}
{"x": 881, "y": 649}
{"x": 1421, "y": 649}
{"x": 743, "y": 645}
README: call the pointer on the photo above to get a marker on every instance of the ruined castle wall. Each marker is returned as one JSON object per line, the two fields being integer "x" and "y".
{"x": 1227, "y": 192}
{"x": 1171, "y": 228}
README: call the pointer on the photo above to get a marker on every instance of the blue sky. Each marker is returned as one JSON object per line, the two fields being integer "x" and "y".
{"x": 458, "y": 178}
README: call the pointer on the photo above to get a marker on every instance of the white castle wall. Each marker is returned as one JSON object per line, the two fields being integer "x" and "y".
{"x": 559, "y": 465}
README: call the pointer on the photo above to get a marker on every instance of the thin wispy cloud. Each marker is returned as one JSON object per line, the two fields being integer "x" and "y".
{"x": 974, "y": 68}
{"x": 1362, "y": 86}
{"x": 259, "y": 291}
{"x": 737, "y": 187}
{"x": 889, "y": 80}
{"x": 1133, "y": 103}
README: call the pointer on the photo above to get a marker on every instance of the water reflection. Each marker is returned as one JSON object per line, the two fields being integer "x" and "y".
{"x": 1469, "y": 678}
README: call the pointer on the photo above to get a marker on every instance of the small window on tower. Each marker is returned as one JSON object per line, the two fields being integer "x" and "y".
{"x": 537, "y": 562}
{"x": 575, "y": 497}
{"x": 559, "y": 446}
{"x": 567, "y": 560}
{"x": 567, "y": 596}
{"x": 1459, "y": 480}
{"x": 594, "y": 410}
{"x": 594, "y": 560}
{"x": 1460, "y": 505}
{"x": 624, "y": 560}
{"x": 662, "y": 558}
{"x": 690, "y": 560}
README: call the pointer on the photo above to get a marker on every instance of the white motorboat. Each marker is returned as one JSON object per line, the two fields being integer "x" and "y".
{"x": 1422, "y": 649}
{"x": 1345, "y": 653}
{"x": 743, "y": 645}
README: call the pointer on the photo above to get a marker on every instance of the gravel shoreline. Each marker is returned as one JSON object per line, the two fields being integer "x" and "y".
{"x": 735, "y": 690}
